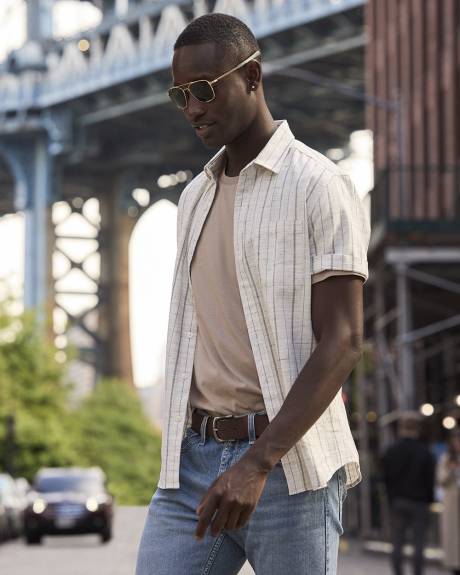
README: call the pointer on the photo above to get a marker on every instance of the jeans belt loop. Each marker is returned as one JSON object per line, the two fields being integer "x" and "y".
{"x": 204, "y": 422}
{"x": 251, "y": 428}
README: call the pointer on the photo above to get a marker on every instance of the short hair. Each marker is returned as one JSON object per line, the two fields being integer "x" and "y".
{"x": 230, "y": 34}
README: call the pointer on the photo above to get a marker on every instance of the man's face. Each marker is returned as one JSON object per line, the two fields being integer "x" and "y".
{"x": 232, "y": 110}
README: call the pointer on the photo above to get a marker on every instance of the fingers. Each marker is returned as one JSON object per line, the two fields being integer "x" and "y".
{"x": 206, "y": 511}
{"x": 224, "y": 517}
{"x": 233, "y": 518}
{"x": 244, "y": 517}
{"x": 220, "y": 520}
{"x": 220, "y": 515}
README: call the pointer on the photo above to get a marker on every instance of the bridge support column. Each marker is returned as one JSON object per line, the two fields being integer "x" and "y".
{"x": 38, "y": 292}
{"x": 32, "y": 167}
{"x": 114, "y": 329}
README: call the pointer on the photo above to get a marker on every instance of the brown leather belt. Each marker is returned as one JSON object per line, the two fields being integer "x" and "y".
{"x": 228, "y": 427}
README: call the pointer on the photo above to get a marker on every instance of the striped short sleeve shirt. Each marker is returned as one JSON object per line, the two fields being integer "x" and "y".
{"x": 295, "y": 215}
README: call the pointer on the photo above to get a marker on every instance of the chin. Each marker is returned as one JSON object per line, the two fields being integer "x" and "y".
{"x": 212, "y": 143}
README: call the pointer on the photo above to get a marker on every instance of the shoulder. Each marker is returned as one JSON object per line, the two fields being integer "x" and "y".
{"x": 420, "y": 449}
{"x": 191, "y": 190}
{"x": 306, "y": 155}
{"x": 391, "y": 450}
{"x": 316, "y": 162}
{"x": 400, "y": 447}
{"x": 425, "y": 449}
{"x": 321, "y": 173}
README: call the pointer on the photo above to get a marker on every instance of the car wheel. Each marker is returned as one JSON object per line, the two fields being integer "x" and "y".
{"x": 33, "y": 538}
{"x": 106, "y": 534}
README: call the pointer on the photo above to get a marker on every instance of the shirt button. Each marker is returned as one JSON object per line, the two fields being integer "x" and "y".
{"x": 179, "y": 418}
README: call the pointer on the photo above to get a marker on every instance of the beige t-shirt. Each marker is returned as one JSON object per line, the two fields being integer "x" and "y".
{"x": 224, "y": 377}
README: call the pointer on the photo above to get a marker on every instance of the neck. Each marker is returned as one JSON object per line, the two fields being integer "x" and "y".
{"x": 249, "y": 143}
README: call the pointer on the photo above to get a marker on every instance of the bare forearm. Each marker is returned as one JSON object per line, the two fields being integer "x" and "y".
{"x": 312, "y": 392}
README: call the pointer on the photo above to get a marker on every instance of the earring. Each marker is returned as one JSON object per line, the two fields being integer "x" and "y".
{"x": 252, "y": 86}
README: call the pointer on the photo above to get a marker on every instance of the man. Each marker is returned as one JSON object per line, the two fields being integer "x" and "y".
{"x": 409, "y": 471}
{"x": 265, "y": 326}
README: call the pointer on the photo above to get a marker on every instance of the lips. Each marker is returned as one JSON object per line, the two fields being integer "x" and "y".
{"x": 203, "y": 128}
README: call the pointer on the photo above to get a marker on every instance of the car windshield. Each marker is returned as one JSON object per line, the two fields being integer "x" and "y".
{"x": 83, "y": 484}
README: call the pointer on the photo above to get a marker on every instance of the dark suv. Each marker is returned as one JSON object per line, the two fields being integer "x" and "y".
{"x": 68, "y": 501}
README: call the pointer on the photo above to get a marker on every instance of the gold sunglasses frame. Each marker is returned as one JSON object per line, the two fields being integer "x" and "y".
{"x": 186, "y": 87}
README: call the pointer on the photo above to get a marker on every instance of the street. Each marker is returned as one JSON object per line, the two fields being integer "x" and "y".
{"x": 84, "y": 555}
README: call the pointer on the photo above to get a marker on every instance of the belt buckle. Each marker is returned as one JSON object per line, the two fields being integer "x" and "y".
{"x": 215, "y": 430}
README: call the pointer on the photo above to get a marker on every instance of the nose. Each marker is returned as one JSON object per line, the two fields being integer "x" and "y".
{"x": 195, "y": 109}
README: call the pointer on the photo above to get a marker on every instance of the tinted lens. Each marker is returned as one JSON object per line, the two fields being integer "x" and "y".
{"x": 178, "y": 96}
{"x": 202, "y": 91}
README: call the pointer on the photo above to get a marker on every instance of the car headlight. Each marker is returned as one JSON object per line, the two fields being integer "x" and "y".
{"x": 92, "y": 504}
{"x": 39, "y": 505}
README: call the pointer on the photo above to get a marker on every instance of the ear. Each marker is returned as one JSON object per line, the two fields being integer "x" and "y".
{"x": 253, "y": 72}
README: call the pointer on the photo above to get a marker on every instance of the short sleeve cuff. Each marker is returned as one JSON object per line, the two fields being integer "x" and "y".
{"x": 339, "y": 262}
{"x": 317, "y": 278}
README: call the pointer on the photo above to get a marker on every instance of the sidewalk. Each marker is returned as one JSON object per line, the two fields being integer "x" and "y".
{"x": 354, "y": 560}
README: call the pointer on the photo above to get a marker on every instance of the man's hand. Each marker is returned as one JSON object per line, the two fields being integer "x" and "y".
{"x": 232, "y": 498}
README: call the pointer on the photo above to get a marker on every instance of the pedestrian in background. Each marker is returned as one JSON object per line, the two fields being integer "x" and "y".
{"x": 448, "y": 478}
{"x": 409, "y": 473}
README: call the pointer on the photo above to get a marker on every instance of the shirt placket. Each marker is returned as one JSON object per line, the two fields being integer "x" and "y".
{"x": 189, "y": 338}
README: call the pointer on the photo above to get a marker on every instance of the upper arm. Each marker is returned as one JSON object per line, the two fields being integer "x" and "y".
{"x": 338, "y": 231}
{"x": 337, "y": 310}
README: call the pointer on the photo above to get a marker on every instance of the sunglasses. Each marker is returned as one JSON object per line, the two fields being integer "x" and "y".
{"x": 201, "y": 90}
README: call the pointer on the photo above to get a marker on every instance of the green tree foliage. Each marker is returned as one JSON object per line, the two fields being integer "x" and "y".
{"x": 33, "y": 392}
{"x": 115, "y": 434}
{"x": 108, "y": 428}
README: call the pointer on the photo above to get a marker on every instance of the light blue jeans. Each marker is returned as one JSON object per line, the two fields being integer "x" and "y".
{"x": 286, "y": 534}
